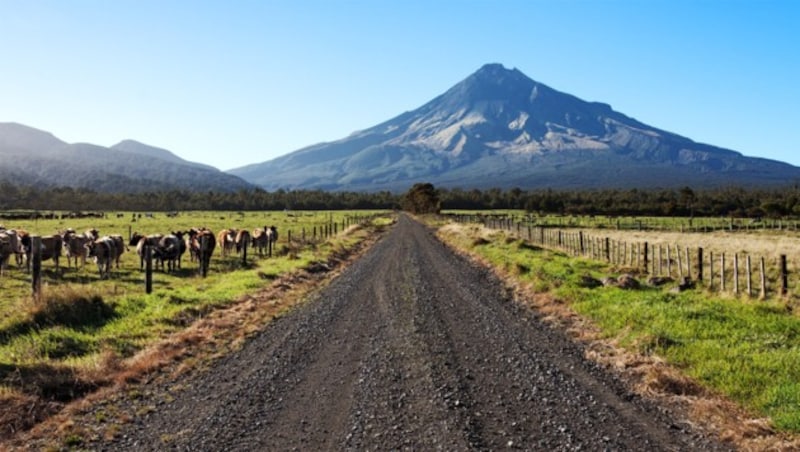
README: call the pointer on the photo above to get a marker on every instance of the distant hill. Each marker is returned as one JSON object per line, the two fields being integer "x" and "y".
{"x": 499, "y": 128}
{"x": 37, "y": 158}
{"x": 136, "y": 147}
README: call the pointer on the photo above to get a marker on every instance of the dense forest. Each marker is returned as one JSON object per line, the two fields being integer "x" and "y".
{"x": 731, "y": 202}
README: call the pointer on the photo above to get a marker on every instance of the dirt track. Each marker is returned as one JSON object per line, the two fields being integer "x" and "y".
{"x": 413, "y": 348}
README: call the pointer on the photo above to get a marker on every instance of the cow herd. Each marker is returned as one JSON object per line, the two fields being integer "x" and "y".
{"x": 166, "y": 250}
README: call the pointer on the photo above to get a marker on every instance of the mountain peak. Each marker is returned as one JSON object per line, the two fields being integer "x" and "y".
{"x": 497, "y": 70}
{"x": 497, "y": 74}
{"x": 500, "y": 128}
{"x": 18, "y": 136}
{"x": 136, "y": 147}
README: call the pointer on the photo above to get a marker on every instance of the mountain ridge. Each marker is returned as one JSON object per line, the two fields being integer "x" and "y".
{"x": 33, "y": 157}
{"x": 499, "y": 128}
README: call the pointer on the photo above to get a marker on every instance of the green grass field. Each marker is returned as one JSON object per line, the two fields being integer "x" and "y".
{"x": 81, "y": 320}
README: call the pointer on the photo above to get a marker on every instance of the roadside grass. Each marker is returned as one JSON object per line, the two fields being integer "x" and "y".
{"x": 72, "y": 339}
{"x": 747, "y": 350}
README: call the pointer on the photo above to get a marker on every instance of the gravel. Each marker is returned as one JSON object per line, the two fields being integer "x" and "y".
{"x": 411, "y": 348}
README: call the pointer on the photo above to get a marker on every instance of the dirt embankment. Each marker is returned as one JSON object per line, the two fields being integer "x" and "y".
{"x": 412, "y": 347}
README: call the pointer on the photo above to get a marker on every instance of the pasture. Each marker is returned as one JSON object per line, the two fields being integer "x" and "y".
{"x": 673, "y": 243}
{"x": 82, "y": 322}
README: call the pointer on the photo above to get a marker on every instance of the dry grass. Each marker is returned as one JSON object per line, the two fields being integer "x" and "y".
{"x": 648, "y": 376}
{"x": 769, "y": 245}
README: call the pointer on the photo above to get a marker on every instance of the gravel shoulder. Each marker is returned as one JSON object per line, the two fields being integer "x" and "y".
{"x": 411, "y": 347}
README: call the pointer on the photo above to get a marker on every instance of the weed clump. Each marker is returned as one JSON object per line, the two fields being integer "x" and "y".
{"x": 72, "y": 307}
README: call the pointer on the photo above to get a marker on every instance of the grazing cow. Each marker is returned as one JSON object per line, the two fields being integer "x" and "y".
{"x": 202, "y": 243}
{"x": 5, "y": 251}
{"x": 140, "y": 241}
{"x": 169, "y": 249}
{"x": 50, "y": 249}
{"x": 194, "y": 248}
{"x": 92, "y": 234}
{"x": 227, "y": 240}
{"x": 120, "y": 248}
{"x": 260, "y": 240}
{"x": 13, "y": 246}
{"x": 104, "y": 252}
{"x": 74, "y": 247}
{"x": 272, "y": 237}
{"x": 242, "y": 240}
{"x": 21, "y": 238}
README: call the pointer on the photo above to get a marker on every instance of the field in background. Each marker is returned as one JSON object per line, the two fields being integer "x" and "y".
{"x": 716, "y": 236}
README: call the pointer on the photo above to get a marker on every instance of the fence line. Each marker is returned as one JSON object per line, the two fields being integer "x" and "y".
{"x": 672, "y": 261}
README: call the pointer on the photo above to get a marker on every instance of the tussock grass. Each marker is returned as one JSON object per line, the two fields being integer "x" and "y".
{"x": 738, "y": 361}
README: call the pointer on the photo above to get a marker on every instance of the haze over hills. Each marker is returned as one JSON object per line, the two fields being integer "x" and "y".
{"x": 33, "y": 157}
{"x": 496, "y": 128}
{"x": 499, "y": 128}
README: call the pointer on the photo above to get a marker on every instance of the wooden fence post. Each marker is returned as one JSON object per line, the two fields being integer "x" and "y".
{"x": 763, "y": 280}
{"x": 36, "y": 269}
{"x": 749, "y": 276}
{"x": 669, "y": 263}
{"x": 688, "y": 264}
{"x": 148, "y": 269}
{"x": 784, "y": 275}
{"x": 736, "y": 273}
{"x": 722, "y": 273}
{"x": 700, "y": 263}
{"x": 657, "y": 260}
{"x": 710, "y": 270}
{"x": 244, "y": 254}
{"x": 204, "y": 257}
{"x": 269, "y": 247}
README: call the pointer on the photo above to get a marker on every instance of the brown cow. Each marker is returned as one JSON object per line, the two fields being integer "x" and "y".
{"x": 227, "y": 240}
{"x": 202, "y": 243}
{"x": 260, "y": 240}
{"x": 242, "y": 240}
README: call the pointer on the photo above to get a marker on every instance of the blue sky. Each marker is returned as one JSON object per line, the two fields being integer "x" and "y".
{"x": 230, "y": 83}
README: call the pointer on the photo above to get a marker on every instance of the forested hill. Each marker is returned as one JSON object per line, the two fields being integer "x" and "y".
{"x": 36, "y": 158}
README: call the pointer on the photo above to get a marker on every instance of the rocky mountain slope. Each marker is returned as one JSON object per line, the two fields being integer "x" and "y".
{"x": 499, "y": 128}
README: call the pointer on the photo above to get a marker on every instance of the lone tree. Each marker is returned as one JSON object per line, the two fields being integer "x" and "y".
{"x": 421, "y": 198}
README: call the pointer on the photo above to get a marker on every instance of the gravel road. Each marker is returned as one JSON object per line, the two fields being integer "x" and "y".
{"x": 412, "y": 347}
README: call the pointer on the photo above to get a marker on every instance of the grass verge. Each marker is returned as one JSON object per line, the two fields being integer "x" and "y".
{"x": 113, "y": 345}
{"x": 733, "y": 364}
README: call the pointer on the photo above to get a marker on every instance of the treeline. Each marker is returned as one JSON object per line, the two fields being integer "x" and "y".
{"x": 733, "y": 201}
{"x": 729, "y": 202}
